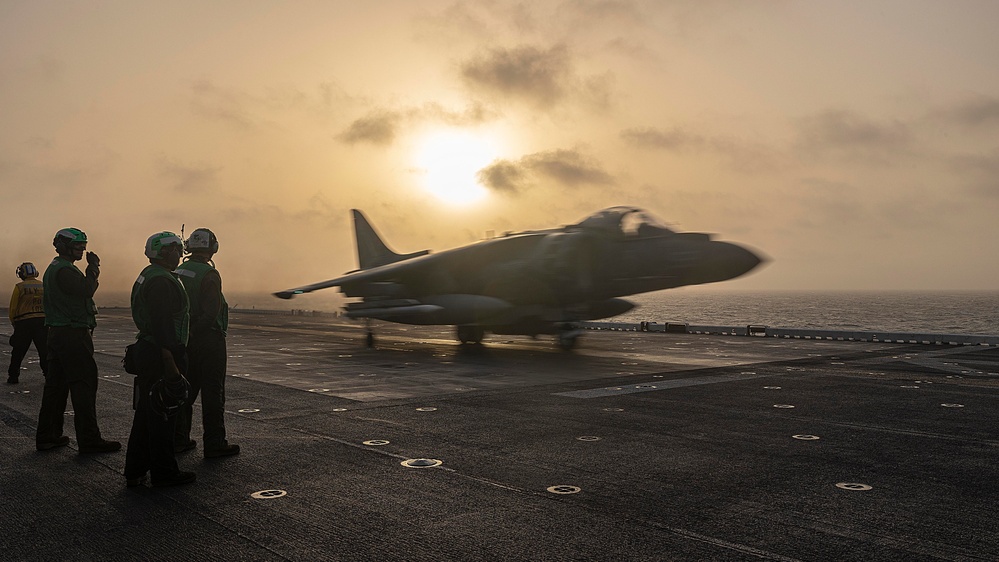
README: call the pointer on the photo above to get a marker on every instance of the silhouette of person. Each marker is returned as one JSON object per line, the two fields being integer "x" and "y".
{"x": 206, "y": 348}
{"x": 27, "y": 315}
{"x": 71, "y": 316}
{"x": 161, "y": 312}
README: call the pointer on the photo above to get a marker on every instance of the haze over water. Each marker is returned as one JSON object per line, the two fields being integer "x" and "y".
{"x": 942, "y": 312}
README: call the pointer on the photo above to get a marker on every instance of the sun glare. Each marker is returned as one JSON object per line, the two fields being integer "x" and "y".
{"x": 448, "y": 161}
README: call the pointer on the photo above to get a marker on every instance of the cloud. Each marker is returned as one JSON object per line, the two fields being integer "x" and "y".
{"x": 189, "y": 179}
{"x": 39, "y": 171}
{"x": 381, "y": 126}
{"x": 827, "y": 205}
{"x": 219, "y": 104}
{"x": 539, "y": 77}
{"x": 459, "y": 21}
{"x": 674, "y": 139}
{"x": 377, "y": 128}
{"x": 504, "y": 176}
{"x": 845, "y": 130}
{"x": 631, "y": 49}
{"x": 568, "y": 168}
{"x": 474, "y": 114}
{"x": 981, "y": 111}
{"x": 981, "y": 171}
{"x": 246, "y": 111}
{"x": 737, "y": 154}
{"x": 524, "y": 72}
{"x": 602, "y": 10}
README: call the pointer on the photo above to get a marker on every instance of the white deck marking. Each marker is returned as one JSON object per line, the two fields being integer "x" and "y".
{"x": 657, "y": 384}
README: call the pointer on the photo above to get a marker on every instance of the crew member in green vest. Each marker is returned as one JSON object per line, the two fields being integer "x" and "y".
{"x": 206, "y": 347}
{"x": 161, "y": 313}
{"x": 71, "y": 315}
{"x": 27, "y": 315}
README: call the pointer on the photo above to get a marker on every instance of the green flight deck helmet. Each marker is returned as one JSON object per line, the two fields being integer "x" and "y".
{"x": 157, "y": 242}
{"x": 67, "y": 237}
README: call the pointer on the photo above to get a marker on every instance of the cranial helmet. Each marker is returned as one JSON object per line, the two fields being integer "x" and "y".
{"x": 65, "y": 238}
{"x": 166, "y": 398}
{"x": 202, "y": 239}
{"x": 27, "y": 270}
{"x": 157, "y": 242}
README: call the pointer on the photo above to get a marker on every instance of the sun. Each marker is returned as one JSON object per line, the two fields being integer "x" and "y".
{"x": 448, "y": 161}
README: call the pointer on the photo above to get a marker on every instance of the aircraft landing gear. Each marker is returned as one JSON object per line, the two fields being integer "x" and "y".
{"x": 566, "y": 336}
{"x": 369, "y": 339}
{"x": 470, "y": 334}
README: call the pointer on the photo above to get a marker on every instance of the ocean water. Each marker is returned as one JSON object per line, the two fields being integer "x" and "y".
{"x": 909, "y": 311}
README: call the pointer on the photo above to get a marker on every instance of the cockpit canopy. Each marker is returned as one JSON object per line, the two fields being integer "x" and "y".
{"x": 630, "y": 222}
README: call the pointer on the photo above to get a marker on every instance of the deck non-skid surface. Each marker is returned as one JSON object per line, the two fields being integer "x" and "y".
{"x": 636, "y": 446}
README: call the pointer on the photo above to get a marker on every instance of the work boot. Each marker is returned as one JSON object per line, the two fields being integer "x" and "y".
{"x": 226, "y": 450}
{"x": 191, "y": 444}
{"x": 102, "y": 446}
{"x": 57, "y": 442}
{"x": 179, "y": 478}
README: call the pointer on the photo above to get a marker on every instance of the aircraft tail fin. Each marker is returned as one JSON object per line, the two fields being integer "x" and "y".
{"x": 371, "y": 251}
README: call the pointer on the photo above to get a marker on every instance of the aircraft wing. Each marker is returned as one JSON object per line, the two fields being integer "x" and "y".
{"x": 380, "y": 273}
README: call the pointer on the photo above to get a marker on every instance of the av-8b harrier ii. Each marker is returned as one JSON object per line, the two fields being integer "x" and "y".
{"x": 534, "y": 282}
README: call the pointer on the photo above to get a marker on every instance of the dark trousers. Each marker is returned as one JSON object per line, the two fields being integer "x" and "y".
{"x": 206, "y": 372}
{"x": 25, "y": 332}
{"x": 71, "y": 371}
{"x": 150, "y": 443}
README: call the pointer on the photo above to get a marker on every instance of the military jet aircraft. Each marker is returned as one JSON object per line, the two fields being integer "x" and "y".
{"x": 533, "y": 282}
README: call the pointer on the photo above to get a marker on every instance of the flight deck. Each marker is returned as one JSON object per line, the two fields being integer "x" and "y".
{"x": 648, "y": 444}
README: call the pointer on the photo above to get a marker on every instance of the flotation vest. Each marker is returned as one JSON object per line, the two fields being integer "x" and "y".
{"x": 191, "y": 274}
{"x": 61, "y": 308}
{"x": 140, "y": 306}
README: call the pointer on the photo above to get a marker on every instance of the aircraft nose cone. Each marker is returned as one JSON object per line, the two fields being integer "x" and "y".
{"x": 731, "y": 260}
{"x": 743, "y": 260}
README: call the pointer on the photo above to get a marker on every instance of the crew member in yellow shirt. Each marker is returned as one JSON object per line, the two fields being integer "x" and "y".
{"x": 28, "y": 318}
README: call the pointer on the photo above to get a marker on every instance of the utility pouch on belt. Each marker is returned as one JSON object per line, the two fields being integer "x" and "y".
{"x": 129, "y": 362}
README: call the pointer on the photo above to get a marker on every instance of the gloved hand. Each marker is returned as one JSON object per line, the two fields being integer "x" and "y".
{"x": 93, "y": 259}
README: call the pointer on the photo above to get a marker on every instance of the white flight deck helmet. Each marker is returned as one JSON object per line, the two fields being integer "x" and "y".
{"x": 202, "y": 239}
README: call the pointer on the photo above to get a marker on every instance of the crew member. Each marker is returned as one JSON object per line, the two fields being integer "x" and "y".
{"x": 71, "y": 316}
{"x": 27, "y": 315}
{"x": 161, "y": 312}
{"x": 206, "y": 347}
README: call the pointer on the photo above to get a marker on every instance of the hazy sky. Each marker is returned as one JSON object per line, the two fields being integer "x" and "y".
{"x": 855, "y": 143}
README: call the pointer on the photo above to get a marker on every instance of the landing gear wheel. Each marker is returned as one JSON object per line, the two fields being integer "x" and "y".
{"x": 566, "y": 341}
{"x": 567, "y": 335}
{"x": 470, "y": 334}
{"x": 369, "y": 340}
